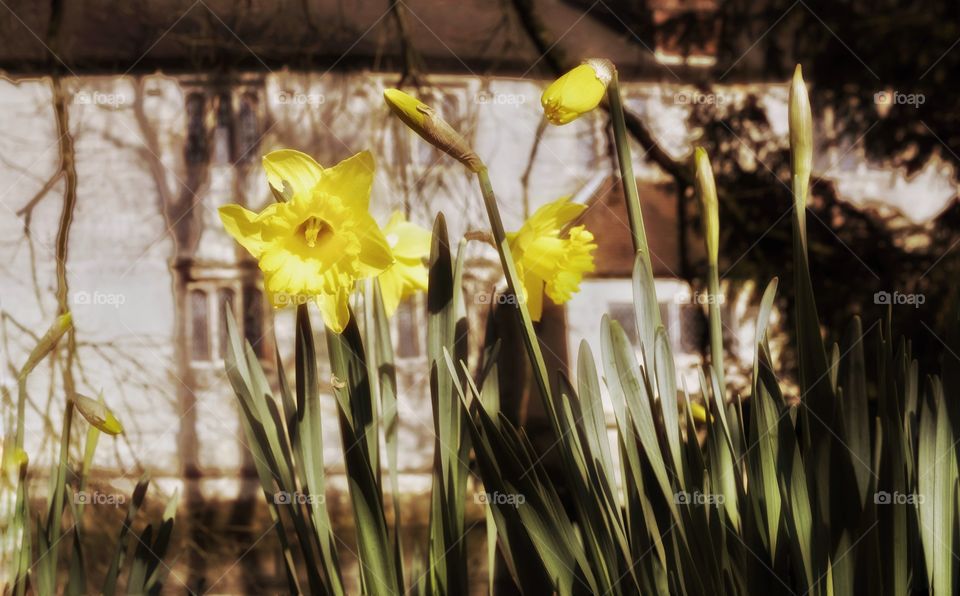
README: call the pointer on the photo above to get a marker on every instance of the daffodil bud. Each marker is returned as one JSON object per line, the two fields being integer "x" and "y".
{"x": 47, "y": 343}
{"x": 577, "y": 92}
{"x": 801, "y": 127}
{"x": 14, "y": 458}
{"x": 97, "y": 414}
{"x": 707, "y": 190}
{"x": 423, "y": 120}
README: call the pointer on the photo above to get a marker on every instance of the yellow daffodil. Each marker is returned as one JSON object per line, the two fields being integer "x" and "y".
{"x": 549, "y": 260}
{"x": 699, "y": 412}
{"x": 320, "y": 239}
{"x": 577, "y": 92}
{"x": 411, "y": 247}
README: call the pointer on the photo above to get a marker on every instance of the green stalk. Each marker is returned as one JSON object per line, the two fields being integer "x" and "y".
{"x": 21, "y": 411}
{"x": 710, "y": 215}
{"x": 513, "y": 284}
{"x": 716, "y": 326}
{"x": 48, "y": 560}
{"x": 632, "y": 197}
{"x": 628, "y": 180}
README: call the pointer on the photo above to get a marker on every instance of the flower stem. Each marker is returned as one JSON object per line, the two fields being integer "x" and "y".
{"x": 513, "y": 284}
{"x": 643, "y": 268}
{"x": 716, "y": 325}
{"x": 628, "y": 180}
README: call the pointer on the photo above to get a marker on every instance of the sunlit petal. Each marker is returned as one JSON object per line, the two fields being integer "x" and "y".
{"x": 290, "y": 172}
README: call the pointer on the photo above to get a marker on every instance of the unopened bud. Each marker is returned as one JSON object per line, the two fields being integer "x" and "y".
{"x": 423, "y": 120}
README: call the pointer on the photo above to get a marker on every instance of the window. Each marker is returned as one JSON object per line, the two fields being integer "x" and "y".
{"x": 209, "y": 303}
{"x": 253, "y": 327}
{"x": 225, "y": 300}
{"x": 223, "y": 131}
{"x": 624, "y": 313}
{"x": 409, "y": 327}
{"x": 195, "y": 151}
{"x": 683, "y": 321}
{"x": 199, "y": 326}
{"x": 248, "y": 131}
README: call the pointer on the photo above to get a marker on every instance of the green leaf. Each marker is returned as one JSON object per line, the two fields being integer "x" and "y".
{"x": 380, "y": 572}
{"x": 937, "y": 488}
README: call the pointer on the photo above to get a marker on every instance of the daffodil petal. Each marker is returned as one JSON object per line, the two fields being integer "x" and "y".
{"x": 291, "y": 172}
{"x": 533, "y": 288}
{"x": 242, "y": 224}
{"x": 407, "y": 240}
{"x": 414, "y": 274}
{"x": 550, "y": 260}
{"x": 352, "y": 180}
{"x": 375, "y": 253}
{"x": 335, "y": 309}
{"x": 548, "y": 220}
{"x": 391, "y": 289}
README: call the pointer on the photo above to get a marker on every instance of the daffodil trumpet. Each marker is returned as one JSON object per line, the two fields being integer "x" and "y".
{"x": 552, "y": 256}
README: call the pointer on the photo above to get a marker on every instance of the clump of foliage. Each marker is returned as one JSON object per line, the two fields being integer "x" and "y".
{"x": 852, "y": 489}
{"x": 37, "y": 552}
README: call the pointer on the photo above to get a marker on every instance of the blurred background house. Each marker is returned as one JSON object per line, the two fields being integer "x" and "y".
{"x": 127, "y": 124}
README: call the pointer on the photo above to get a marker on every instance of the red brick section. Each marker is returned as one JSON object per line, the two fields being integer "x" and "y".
{"x": 606, "y": 217}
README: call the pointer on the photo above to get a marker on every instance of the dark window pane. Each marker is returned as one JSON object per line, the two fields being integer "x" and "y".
{"x": 248, "y": 133}
{"x": 253, "y": 318}
{"x": 200, "y": 326}
{"x": 225, "y": 298}
{"x": 196, "y": 146}
{"x": 623, "y": 313}
{"x": 666, "y": 317}
{"x": 408, "y": 332}
{"x": 693, "y": 328}
{"x": 223, "y": 133}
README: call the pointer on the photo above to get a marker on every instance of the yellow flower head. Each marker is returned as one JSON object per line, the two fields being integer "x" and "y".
{"x": 549, "y": 260}
{"x": 320, "y": 239}
{"x": 577, "y": 92}
{"x": 411, "y": 248}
